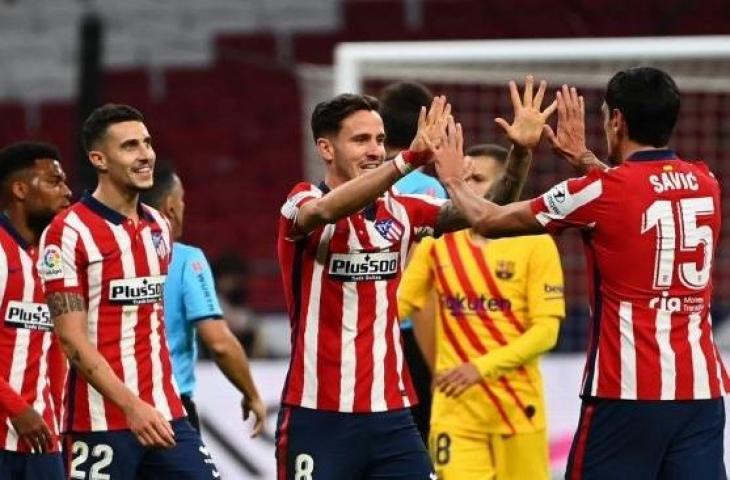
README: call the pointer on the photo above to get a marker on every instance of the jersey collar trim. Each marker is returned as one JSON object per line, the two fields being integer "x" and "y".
{"x": 5, "y": 223}
{"x": 653, "y": 155}
{"x": 110, "y": 214}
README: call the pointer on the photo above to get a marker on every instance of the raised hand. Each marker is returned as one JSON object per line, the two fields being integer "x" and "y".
{"x": 527, "y": 126}
{"x": 570, "y": 140}
{"x": 449, "y": 155}
{"x": 431, "y": 125}
{"x": 431, "y": 128}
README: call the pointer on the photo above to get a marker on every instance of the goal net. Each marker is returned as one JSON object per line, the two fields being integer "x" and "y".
{"x": 474, "y": 76}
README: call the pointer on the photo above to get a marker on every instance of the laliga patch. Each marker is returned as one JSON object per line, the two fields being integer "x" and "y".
{"x": 359, "y": 267}
{"x": 136, "y": 291}
{"x": 50, "y": 263}
{"x": 28, "y": 315}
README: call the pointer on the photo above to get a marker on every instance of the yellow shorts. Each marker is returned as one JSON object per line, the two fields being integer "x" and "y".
{"x": 489, "y": 457}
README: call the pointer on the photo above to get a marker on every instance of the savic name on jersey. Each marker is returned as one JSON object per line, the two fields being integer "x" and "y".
{"x": 358, "y": 267}
{"x": 136, "y": 291}
{"x": 33, "y": 316}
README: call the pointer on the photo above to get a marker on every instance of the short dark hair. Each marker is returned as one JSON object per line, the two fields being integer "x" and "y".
{"x": 163, "y": 180}
{"x": 401, "y": 103}
{"x": 327, "y": 116}
{"x": 96, "y": 124}
{"x": 21, "y": 155}
{"x": 498, "y": 152}
{"x": 648, "y": 98}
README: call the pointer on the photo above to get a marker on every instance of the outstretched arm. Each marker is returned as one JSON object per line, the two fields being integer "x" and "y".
{"x": 487, "y": 218}
{"x": 524, "y": 133}
{"x": 570, "y": 140}
{"x": 359, "y": 192}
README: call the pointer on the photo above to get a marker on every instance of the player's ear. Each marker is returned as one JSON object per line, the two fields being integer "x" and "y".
{"x": 19, "y": 189}
{"x": 98, "y": 160}
{"x": 326, "y": 149}
{"x": 167, "y": 207}
{"x": 617, "y": 122}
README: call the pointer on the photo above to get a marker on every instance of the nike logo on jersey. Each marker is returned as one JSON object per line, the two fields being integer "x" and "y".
{"x": 136, "y": 291}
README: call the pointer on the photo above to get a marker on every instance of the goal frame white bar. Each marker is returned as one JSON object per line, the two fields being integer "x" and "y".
{"x": 357, "y": 61}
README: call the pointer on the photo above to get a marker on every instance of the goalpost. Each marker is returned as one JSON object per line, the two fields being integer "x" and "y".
{"x": 692, "y": 60}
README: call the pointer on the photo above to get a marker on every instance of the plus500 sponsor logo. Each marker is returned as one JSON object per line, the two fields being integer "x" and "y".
{"x": 34, "y": 316}
{"x": 357, "y": 267}
{"x": 136, "y": 291}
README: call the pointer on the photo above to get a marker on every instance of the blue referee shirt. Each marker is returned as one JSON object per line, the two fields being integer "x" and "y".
{"x": 419, "y": 183}
{"x": 189, "y": 297}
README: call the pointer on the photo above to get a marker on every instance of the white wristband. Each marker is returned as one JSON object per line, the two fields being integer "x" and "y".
{"x": 402, "y": 166}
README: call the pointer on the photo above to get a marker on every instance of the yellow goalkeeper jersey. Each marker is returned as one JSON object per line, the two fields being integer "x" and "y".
{"x": 499, "y": 305}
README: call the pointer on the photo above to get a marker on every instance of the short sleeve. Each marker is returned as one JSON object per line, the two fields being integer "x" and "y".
{"x": 574, "y": 203}
{"x": 198, "y": 288}
{"x": 62, "y": 260}
{"x": 301, "y": 194}
{"x": 545, "y": 280}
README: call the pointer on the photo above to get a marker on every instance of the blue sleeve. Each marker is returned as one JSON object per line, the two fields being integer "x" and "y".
{"x": 420, "y": 184}
{"x": 440, "y": 191}
{"x": 198, "y": 289}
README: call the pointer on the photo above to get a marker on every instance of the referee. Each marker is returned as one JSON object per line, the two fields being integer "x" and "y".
{"x": 191, "y": 309}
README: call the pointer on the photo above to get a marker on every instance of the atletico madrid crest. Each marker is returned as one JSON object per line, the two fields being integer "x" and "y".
{"x": 389, "y": 229}
{"x": 505, "y": 269}
{"x": 158, "y": 240}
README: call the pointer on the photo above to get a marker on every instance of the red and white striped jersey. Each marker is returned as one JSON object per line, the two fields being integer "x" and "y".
{"x": 119, "y": 268}
{"x": 30, "y": 353}
{"x": 340, "y": 283}
{"x": 649, "y": 227}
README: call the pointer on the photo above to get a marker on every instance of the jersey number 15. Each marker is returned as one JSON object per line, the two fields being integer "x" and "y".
{"x": 680, "y": 233}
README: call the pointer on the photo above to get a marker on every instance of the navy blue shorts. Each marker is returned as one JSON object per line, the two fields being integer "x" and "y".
{"x": 118, "y": 454}
{"x": 29, "y": 466}
{"x": 647, "y": 440}
{"x": 319, "y": 445}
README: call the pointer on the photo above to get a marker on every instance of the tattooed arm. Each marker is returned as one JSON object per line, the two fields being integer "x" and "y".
{"x": 70, "y": 320}
{"x": 509, "y": 185}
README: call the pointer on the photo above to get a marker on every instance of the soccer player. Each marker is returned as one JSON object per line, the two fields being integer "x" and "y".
{"x": 341, "y": 246}
{"x": 653, "y": 383}
{"x": 104, "y": 290}
{"x": 191, "y": 309}
{"x": 33, "y": 188}
{"x": 500, "y": 303}
{"x": 400, "y": 104}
